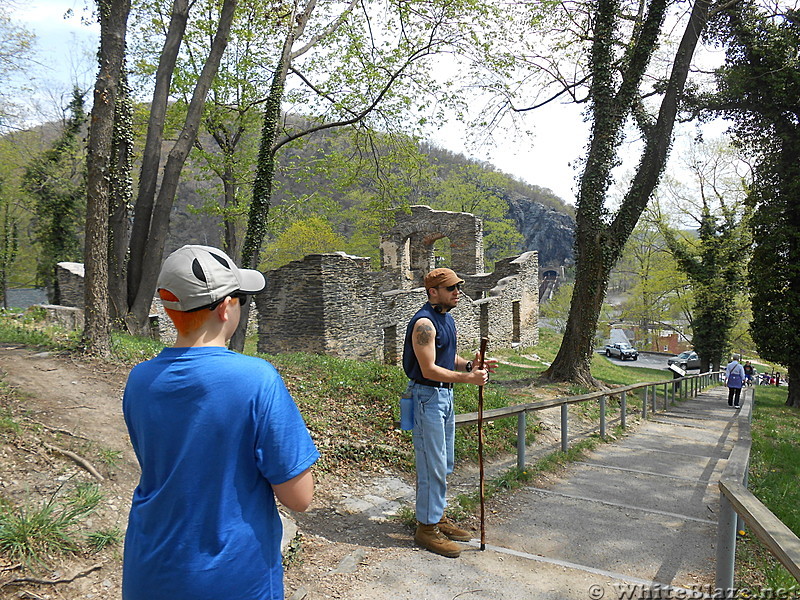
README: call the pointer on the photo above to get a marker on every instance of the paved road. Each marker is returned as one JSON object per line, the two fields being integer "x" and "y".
{"x": 647, "y": 360}
{"x": 638, "y": 512}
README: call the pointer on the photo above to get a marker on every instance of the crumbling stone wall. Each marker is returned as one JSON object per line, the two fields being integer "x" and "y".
{"x": 334, "y": 304}
{"x": 407, "y": 249}
{"x": 324, "y": 303}
{"x": 69, "y": 277}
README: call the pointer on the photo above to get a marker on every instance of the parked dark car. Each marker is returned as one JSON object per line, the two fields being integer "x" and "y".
{"x": 685, "y": 360}
{"x": 621, "y": 350}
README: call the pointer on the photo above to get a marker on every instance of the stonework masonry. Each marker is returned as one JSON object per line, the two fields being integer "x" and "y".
{"x": 70, "y": 283}
{"x": 334, "y": 304}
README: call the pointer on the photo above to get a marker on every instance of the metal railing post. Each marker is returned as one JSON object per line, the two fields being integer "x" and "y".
{"x": 521, "y": 441}
{"x": 623, "y": 410}
{"x": 726, "y": 547}
{"x": 564, "y": 433}
{"x": 644, "y": 405}
{"x": 603, "y": 417}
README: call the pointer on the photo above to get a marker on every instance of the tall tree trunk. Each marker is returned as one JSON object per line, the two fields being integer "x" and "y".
{"x": 151, "y": 157}
{"x": 233, "y": 241}
{"x": 793, "y": 375}
{"x": 597, "y": 245}
{"x": 150, "y": 242}
{"x": 113, "y": 25}
{"x": 120, "y": 201}
{"x": 265, "y": 169}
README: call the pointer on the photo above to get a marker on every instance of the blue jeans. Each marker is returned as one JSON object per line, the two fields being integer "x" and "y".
{"x": 434, "y": 437}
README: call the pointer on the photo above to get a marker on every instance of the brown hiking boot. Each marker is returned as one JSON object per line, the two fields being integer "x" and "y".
{"x": 430, "y": 538}
{"x": 449, "y": 529}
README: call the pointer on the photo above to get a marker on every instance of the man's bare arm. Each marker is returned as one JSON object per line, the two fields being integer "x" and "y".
{"x": 423, "y": 338}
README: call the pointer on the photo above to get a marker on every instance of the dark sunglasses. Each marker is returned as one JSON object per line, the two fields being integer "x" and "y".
{"x": 242, "y": 298}
{"x": 452, "y": 288}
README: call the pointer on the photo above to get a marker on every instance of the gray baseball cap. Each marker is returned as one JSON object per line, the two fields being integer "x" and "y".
{"x": 201, "y": 275}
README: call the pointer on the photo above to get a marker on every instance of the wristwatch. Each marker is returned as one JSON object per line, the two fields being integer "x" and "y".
{"x": 468, "y": 366}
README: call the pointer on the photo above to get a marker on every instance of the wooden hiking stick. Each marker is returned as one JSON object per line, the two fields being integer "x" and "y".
{"x": 482, "y": 356}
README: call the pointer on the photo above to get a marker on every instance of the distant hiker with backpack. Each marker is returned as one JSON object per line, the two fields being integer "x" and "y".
{"x": 734, "y": 378}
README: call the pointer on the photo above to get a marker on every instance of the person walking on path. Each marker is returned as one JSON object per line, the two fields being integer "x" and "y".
{"x": 734, "y": 378}
{"x": 749, "y": 373}
{"x": 432, "y": 366}
{"x": 218, "y": 438}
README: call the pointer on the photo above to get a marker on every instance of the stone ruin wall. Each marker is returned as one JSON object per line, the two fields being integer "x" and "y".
{"x": 334, "y": 304}
{"x": 70, "y": 283}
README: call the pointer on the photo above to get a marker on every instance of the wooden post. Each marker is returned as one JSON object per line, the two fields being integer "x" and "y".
{"x": 644, "y": 405}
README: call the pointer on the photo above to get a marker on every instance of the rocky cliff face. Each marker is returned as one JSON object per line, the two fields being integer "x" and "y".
{"x": 544, "y": 229}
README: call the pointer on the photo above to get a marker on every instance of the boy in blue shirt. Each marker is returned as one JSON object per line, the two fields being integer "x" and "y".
{"x": 218, "y": 438}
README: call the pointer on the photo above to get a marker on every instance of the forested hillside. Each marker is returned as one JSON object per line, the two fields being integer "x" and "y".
{"x": 333, "y": 192}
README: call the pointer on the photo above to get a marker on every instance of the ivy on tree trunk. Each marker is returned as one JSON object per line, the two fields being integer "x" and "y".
{"x": 599, "y": 235}
{"x": 107, "y": 96}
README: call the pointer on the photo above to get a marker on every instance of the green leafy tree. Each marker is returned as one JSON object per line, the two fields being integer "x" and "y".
{"x": 57, "y": 181}
{"x": 603, "y": 53}
{"x": 556, "y": 309}
{"x": 158, "y": 185}
{"x": 715, "y": 263}
{"x": 313, "y": 235}
{"x": 474, "y": 189}
{"x": 17, "y": 54}
{"x": 656, "y": 291}
{"x": 225, "y": 150}
{"x": 18, "y": 149}
{"x": 9, "y": 247}
{"x": 758, "y": 89}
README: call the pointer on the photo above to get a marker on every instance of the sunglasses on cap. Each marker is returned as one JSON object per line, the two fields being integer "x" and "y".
{"x": 452, "y": 288}
{"x": 242, "y": 298}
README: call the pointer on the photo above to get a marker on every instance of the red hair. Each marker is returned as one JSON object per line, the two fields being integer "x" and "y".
{"x": 185, "y": 322}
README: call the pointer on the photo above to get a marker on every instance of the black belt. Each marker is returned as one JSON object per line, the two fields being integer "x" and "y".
{"x": 431, "y": 383}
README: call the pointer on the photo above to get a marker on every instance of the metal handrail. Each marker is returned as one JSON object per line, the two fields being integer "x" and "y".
{"x": 695, "y": 384}
{"x": 738, "y": 504}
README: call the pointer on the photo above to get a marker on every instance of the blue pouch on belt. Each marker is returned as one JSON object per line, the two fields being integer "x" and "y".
{"x": 406, "y": 410}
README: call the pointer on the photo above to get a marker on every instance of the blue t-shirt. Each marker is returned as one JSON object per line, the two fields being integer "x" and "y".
{"x": 212, "y": 429}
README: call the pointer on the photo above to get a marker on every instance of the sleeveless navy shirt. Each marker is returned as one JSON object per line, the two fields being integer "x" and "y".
{"x": 445, "y": 341}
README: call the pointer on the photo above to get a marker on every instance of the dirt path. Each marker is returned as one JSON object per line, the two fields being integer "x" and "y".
{"x": 75, "y": 405}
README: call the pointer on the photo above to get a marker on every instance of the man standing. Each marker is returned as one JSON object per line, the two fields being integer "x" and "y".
{"x": 432, "y": 366}
{"x": 218, "y": 437}
{"x": 734, "y": 378}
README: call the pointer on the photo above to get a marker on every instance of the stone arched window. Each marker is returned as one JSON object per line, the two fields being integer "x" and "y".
{"x": 407, "y": 249}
